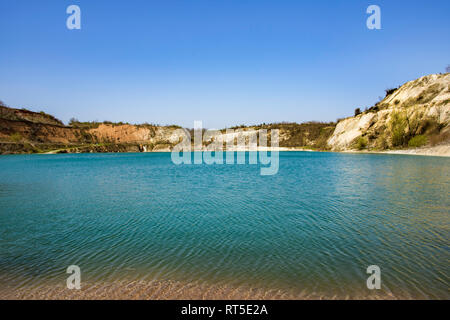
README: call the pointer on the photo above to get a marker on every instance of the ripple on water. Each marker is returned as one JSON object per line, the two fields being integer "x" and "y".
{"x": 139, "y": 226}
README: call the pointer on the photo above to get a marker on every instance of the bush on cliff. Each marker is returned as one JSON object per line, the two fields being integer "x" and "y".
{"x": 418, "y": 141}
{"x": 397, "y": 126}
{"x": 16, "y": 137}
{"x": 361, "y": 143}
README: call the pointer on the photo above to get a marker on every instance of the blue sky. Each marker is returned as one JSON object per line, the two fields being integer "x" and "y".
{"x": 222, "y": 62}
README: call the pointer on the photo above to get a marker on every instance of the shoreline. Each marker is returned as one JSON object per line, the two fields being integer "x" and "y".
{"x": 434, "y": 151}
{"x": 178, "y": 290}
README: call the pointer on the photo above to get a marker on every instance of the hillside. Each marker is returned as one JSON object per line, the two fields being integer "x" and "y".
{"x": 23, "y": 131}
{"x": 414, "y": 115}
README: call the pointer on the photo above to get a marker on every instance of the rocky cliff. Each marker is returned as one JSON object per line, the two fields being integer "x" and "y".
{"x": 415, "y": 114}
{"x": 23, "y": 131}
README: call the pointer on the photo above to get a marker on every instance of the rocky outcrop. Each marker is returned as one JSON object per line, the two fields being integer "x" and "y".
{"x": 29, "y": 116}
{"x": 23, "y": 131}
{"x": 418, "y": 108}
{"x": 127, "y": 133}
{"x": 349, "y": 129}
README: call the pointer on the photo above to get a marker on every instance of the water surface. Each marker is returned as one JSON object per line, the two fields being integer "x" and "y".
{"x": 314, "y": 227}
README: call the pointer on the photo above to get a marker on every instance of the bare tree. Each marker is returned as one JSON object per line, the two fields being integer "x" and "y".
{"x": 447, "y": 69}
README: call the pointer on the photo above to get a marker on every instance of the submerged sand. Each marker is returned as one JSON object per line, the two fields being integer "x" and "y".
{"x": 168, "y": 290}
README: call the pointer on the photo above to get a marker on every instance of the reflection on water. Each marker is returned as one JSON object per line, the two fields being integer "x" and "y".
{"x": 309, "y": 231}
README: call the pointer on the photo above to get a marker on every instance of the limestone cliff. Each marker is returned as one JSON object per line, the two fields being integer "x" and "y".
{"x": 415, "y": 114}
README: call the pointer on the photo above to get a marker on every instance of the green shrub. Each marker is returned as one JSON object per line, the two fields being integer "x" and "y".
{"x": 381, "y": 142}
{"x": 361, "y": 143}
{"x": 16, "y": 137}
{"x": 418, "y": 141}
{"x": 397, "y": 126}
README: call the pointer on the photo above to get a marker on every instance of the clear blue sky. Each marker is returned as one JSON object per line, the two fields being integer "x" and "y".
{"x": 223, "y": 62}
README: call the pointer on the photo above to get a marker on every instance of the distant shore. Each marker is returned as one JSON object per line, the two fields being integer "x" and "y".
{"x": 442, "y": 150}
{"x": 437, "y": 151}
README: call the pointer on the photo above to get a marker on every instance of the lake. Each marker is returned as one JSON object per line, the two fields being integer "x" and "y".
{"x": 311, "y": 230}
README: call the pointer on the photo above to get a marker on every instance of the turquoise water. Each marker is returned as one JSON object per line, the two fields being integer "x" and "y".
{"x": 315, "y": 226}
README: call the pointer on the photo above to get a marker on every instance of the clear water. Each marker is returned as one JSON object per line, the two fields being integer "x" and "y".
{"x": 315, "y": 226}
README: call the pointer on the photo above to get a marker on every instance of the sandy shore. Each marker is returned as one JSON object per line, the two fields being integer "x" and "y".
{"x": 169, "y": 290}
{"x": 437, "y": 151}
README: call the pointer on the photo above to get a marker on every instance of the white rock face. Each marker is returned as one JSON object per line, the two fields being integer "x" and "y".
{"x": 426, "y": 97}
{"x": 412, "y": 89}
{"x": 349, "y": 129}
